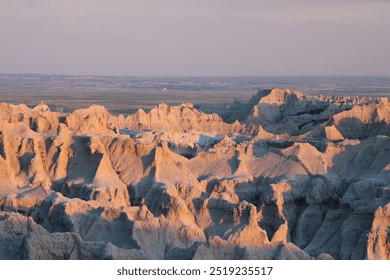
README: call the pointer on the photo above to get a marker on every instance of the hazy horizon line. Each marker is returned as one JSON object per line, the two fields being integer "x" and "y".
{"x": 198, "y": 76}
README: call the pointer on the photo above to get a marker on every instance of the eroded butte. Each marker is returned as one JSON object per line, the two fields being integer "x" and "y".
{"x": 285, "y": 176}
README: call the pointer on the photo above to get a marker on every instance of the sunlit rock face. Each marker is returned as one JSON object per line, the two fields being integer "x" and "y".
{"x": 286, "y": 176}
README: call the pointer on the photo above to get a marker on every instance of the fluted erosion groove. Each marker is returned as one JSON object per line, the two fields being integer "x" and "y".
{"x": 285, "y": 176}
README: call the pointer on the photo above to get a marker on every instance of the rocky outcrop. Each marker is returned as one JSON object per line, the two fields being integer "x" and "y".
{"x": 286, "y": 176}
{"x": 293, "y": 112}
{"x": 180, "y": 118}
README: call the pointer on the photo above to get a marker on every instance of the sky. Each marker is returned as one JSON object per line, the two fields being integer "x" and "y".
{"x": 195, "y": 38}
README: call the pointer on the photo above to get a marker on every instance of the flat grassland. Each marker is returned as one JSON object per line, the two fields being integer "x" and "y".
{"x": 124, "y": 95}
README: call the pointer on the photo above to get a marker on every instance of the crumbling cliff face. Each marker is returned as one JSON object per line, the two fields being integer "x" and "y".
{"x": 297, "y": 177}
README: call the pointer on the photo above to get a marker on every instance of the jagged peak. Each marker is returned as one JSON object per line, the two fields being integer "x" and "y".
{"x": 279, "y": 96}
{"x": 42, "y": 108}
{"x": 93, "y": 109}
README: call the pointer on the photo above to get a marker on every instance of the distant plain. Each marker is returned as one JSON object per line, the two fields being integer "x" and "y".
{"x": 124, "y": 95}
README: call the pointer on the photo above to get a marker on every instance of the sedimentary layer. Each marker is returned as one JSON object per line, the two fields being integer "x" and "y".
{"x": 285, "y": 176}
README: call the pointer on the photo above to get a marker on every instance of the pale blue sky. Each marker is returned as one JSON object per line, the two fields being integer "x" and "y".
{"x": 198, "y": 37}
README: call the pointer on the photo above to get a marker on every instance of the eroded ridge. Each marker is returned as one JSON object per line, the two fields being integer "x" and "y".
{"x": 285, "y": 176}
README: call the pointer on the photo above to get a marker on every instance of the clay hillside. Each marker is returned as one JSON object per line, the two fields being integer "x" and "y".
{"x": 285, "y": 176}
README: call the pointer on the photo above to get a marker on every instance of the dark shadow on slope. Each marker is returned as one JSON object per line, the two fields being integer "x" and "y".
{"x": 187, "y": 152}
{"x": 354, "y": 128}
{"x": 138, "y": 191}
{"x": 271, "y": 221}
{"x": 148, "y": 159}
{"x": 91, "y": 223}
{"x": 234, "y": 163}
{"x": 181, "y": 253}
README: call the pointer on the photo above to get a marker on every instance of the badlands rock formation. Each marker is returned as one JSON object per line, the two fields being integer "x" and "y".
{"x": 285, "y": 176}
